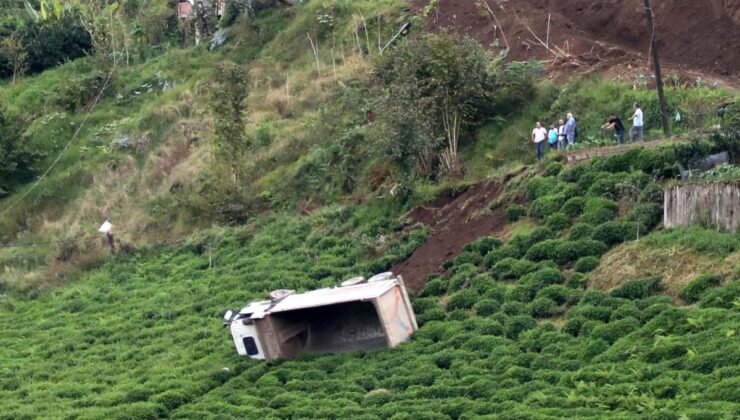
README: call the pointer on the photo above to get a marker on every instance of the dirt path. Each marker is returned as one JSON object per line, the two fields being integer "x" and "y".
{"x": 456, "y": 219}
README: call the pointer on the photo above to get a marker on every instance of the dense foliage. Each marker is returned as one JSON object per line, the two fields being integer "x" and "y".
{"x": 16, "y": 157}
{"x": 141, "y": 338}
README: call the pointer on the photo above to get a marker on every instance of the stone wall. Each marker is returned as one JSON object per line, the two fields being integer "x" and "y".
{"x": 710, "y": 204}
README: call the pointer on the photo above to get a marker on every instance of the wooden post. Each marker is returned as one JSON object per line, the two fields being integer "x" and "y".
{"x": 656, "y": 63}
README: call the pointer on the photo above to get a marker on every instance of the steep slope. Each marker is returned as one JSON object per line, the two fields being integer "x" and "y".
{"x": 606, "y": 35}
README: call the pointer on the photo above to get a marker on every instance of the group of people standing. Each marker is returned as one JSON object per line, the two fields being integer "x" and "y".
{"x": 557, "y": 137}
{"x": 565, "y": 133}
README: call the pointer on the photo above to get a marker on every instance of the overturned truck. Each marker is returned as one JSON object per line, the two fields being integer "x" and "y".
{"x": 360, "y": 314}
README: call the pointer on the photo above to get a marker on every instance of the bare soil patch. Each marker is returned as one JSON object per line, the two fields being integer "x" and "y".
{"x": 695, "y": 37}
{"x": 455, "y": 219}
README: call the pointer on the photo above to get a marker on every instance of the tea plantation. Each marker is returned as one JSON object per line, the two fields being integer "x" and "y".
{"x": 512, "y": 330}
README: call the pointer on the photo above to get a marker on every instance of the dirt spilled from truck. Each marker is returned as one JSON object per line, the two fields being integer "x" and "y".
{"x": 456, "y": 218}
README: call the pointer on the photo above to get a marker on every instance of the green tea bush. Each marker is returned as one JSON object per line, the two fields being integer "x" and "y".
{"x": 627, "y": 310}
{"x": 725, "y": 296}
{"x": 586, "y": 264}
{"x": 577, "y": 281}
{"x": 515, "y": 212}
{"x": 615, "y": 330}
{"x": 638, "y": 289}
{"x": 483, "y": 246}
{"x": 546, "y": 250}
{"x": 506, "y": 251}
{"x": 522, "y": 242}
{"x": 559, "y": 294}
{"x": 598, "y": 210}
{"x": 581, "y": 231}
{"x": 615, "y": 232}
{"x": 604, "y": 187}
{"x": 543, "y": 307}
{"x": 552, "y": 169}
{"x": 514, "y": 307}
{"x": 693, "y": 291}
{"x": 557, "y": 222}
{"x": 648, "y": 216}
{"x": 570, "y": 251}
{"x": 487, "y": 307}
{"x": 464, "y": 299}
{"x": 546, "y": 205}
{"x": 510, "y": 268}
{"x": 518, "y": 324}
{"x": 574, "y": 207}
{"x": 435, "y": 287}
{"x": 651, "y": 194}
{"x": 540, "y": 186}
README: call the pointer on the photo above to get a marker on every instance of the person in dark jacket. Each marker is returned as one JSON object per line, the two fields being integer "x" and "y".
{"x": 616, "y": 123}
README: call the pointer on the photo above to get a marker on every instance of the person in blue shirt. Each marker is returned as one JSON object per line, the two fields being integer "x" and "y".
{"x": 552, "y": 137}
{"x": 570, "y": 130}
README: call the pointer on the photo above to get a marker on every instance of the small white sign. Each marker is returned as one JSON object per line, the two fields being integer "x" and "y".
{"x": 105, "y": 227}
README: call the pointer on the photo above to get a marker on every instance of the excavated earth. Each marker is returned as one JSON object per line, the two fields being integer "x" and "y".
{"x": 695, "y": 38}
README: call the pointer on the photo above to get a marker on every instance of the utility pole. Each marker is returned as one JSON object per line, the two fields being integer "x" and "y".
{"x": 656, "y": 63}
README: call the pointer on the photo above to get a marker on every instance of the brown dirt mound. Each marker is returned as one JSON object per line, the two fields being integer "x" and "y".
{"x": 605, "y": 35}
{"x": 456, "y": 219}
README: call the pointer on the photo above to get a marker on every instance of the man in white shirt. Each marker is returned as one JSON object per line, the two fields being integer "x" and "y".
{"x": 637, "y": 124}
{"x": 539, "y": 134}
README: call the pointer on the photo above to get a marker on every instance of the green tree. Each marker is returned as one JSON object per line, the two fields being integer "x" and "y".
{"x": 228, "y": 96}
{"x": 16, "y": 158}
{"x": 433, "y": 87}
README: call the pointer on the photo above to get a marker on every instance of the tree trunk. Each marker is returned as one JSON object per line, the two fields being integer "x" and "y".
{"x": 656, "y": 63}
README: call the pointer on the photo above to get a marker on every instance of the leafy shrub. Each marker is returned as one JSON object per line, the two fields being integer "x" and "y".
{"x": 515, "y": 212}
{"x": 647, "y": 215}
{"x": 557, "y": 293}
{"x": 598, "y": 210}
{"x": 624, "y": 311}
{"x": 49, "y": 43}
{"x": 692, "y": 292}
{"x": 651, "y": 194}
{"x": 604, "y": 187}
{"x": 540, "y": 186}
{"x": 543, "y": 307}
{"x": 483, "y": 246}
{"x": 511, "y": 268}
{"x": 638, "y": 289}
{"x": 546, "y": 205}
{"x": 514, "y": 307}
{"x": 586, "y": 264}
{"x": 725, "y": 296}
{"x": 614, "y": 233}
{"x": 552, "y": 169}
{"x": 506, "y": 251}
{"x": 557, "y": 222}
{"x": 487, "y": 307}
{"x": 614, "y": 330}
{"x": 435, "y": 287}
{"x": 574, "y": 207}
{"x": 570, "y": 251}
{"x": 523, "y": 242}
{"x": 581, "y": 231}
{"x": 577, "y": 281}
{"x": 546, "y": 250}
{"x": 518, "y": 324}
{"x": 464, "y": 299}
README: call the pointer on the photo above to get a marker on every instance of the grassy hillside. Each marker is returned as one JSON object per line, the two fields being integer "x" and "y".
{"x": 582, "y": 308}
{"x": 512, "y": 330}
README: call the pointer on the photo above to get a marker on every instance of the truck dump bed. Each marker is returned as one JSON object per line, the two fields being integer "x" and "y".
{"x": 351, "y": 318}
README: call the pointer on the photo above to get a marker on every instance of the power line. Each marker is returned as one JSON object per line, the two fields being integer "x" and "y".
{"x": 77, "y": 132}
